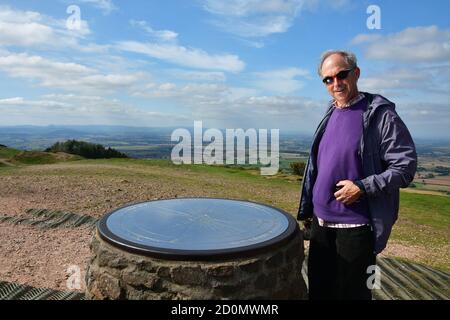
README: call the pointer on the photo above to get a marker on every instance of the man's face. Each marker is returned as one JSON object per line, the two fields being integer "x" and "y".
{"x": 342, "y": 90}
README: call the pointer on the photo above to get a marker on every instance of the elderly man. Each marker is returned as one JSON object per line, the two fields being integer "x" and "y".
{"x": 361, "y": 154}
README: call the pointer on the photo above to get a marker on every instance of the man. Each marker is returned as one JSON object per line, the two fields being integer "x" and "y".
{"x": 361, "y": 154}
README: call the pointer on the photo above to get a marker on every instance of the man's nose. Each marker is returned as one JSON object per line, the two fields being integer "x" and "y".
{"x": 336, "y": 81}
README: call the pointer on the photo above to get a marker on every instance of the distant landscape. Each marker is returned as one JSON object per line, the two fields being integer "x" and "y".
{"x": 433, "y": 174}
{"x": 33, "y": 180}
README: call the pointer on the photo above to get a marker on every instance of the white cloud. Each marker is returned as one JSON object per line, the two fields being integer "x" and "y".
{"x": 32, "y": 29}
{"x": 27, "y": 34}
{"x": 254, "y": 18}
{"x": 284, "y": 112}
{"x": 190, "y": 57}
{"x": 165, "y": 47}
{"x": 257, "y": 27}
{"x": 362, "y": 38}
{"x": 211, "y": 76}
{"x": 315, "y": 5}
{"x": 24, "y": 65}
{"x": 281, "y": 81}
{"x": 244, "y": 106}
{"x": 164, "y": 35}
{"x": 417, "y": 66}
{"x": 245, "y": 8}
{"x": 339, "y": 4}
{"x": 12, "y": 101}
{"x": 106, "y": 6}
{"x": 73, "y": 109}
{"x": 425, "y": 118}
{"x": 191, "y": 93}
{"x": 253, "y": 44}
{"x": 419, "y": 44}
{"x": 92, "y": 48}
{"x": 261, "y": 18}
{"x": 395, "y": 79}
{"x": 433, "y": 81}
{"x": 64, "y": 75}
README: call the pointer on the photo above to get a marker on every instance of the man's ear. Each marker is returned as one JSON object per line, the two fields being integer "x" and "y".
{"x": 357, "y": 73}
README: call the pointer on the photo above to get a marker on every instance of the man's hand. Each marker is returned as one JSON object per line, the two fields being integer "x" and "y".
{"x": 349, "y": 193}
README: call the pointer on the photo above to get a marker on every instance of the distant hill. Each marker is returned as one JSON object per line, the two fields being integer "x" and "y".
{"x": 86, "y": 150}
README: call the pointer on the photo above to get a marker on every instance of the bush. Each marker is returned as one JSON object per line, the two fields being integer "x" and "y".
{"x": 298, "y": 167}
{"x": 86, "y": 150}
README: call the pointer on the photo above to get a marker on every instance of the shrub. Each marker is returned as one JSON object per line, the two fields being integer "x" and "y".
{"x": 298, "y": 167}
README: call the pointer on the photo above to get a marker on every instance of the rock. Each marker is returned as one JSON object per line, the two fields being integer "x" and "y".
{"x": 116, "y": 274}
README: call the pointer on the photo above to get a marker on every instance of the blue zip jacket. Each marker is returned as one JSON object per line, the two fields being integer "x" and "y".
{"x": 389, "y": 162}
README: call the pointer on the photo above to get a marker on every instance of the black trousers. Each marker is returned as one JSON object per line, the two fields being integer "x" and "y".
{"x": 338, "y": 262}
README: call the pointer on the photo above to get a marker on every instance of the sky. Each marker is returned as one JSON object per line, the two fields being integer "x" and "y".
{"x": 230, "y": 64}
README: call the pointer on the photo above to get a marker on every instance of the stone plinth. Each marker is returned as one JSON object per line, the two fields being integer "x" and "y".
{"x": 273, "y": 273}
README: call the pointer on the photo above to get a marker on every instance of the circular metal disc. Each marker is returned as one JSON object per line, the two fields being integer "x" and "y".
{"x": 192, "y": 228}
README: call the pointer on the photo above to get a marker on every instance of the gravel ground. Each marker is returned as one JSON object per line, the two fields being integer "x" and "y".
{"x": 44, "y": 258}
{"x": 41, "y": 258}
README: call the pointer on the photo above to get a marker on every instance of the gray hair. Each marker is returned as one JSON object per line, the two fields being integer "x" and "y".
{"x": 349, "y": 57}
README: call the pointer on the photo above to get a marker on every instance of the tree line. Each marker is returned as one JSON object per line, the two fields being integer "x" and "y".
{"x": 85, "y": 149}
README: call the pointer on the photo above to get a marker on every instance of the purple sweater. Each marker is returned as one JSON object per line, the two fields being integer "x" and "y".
{"x": 337, "y": 160}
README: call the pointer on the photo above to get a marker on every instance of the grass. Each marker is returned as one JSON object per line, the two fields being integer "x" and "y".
{"x": 432, "y": 210}
{"x": 431, "y": 187}
{"x": 231, "y": 172}
{"x": 424, "y": 223}
{"x": 7, "y": 153}
{"x": 31, "y": 157}
{"x": 424, "y": 220}
{"x": 39, "y": 157}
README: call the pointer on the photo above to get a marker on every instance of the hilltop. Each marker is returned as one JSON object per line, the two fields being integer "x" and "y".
{"x": 95, "y": 187}
{"x": 69, "y": 150}
{"x": 12, "y": 157}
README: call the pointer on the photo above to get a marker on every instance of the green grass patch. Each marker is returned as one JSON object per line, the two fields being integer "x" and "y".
{"x": 34, "y": 157}
{"x": 424, "y": 221}
{"x": 7, "y": 153}
{"x": 39, "y": 157}
{"x": 431, "y": 210}
{"x": 234, "y": 172}
{"x": 431, "y": 187}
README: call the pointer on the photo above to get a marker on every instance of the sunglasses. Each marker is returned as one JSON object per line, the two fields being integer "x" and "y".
{"x": 341, "y": 76}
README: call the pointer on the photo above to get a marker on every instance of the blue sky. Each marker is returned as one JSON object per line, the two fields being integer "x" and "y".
{"x": 231, "y": 64}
